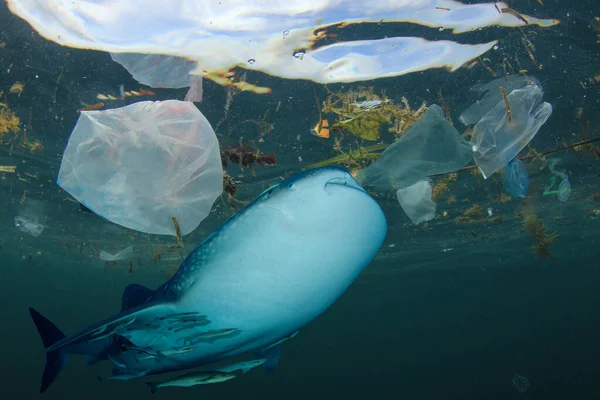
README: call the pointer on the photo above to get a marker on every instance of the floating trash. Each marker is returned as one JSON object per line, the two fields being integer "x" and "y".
{"x": 125, "y": 254}
{"x": 508, "y": 127}
{"x": 514, "y": 178}
{"x": 30, "y": 218}
{"x": 520, "y": 383}
{"x": 492, "y": 95}
{"x": 140, "y": 165}
{"x": 431, "y": 146}
{"x": 28, "y": 226}
{"x": 563, "y": 192}
{"x": 416, "y": 201}
{"x": 158, "y": 71}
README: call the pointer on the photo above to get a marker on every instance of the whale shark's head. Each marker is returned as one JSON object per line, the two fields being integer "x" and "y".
{"x": 317, "y": 198}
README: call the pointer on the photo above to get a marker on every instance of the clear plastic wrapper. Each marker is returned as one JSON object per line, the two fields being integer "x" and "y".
{"x": 514, "y": 178}
{"x": 431, "y": 146}
{"x": 416, "y": 201}
{"x": 503, "y": 132}
{"x": 140, "y": 165}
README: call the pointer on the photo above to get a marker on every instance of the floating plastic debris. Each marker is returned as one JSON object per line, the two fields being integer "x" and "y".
{"x": 508, "y": 127}
{"x": 225, "y": 36}
{"x": 28, "y": 226}
{"x": 416, "y": 201}
{"x": 520, "y": 383}
{"x": 564, "y": 187}
{"x": 125, "y": 254}
{"x": 492, "y": 95}
{"x": 431, "y": 146}
{"x": 514, "y": 178}
{"x": 158, "y": 71}
{"x": 31, "y": 215}
{"x": 140, "y": 165}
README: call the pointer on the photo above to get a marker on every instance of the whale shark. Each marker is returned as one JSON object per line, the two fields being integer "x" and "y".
{"x": 253, "y": 283}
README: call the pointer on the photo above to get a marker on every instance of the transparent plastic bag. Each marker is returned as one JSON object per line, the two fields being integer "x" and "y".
{"x": 514, "y": 178}
{"x": 489, "y": 94}
{"x": 431, "y": 146}
{"x": 159, "y": 71}
{"x": 140, "y": 165}
{"x": 416, "y": 201}
{"x": 125, "y": 254}
{"x": 497, "y": 139}
{"x": 31, "y": 217}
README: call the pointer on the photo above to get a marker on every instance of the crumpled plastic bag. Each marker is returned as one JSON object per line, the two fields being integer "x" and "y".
{"x": 158, "y": 71}
{"x": 514, "y": 178}
{"x": 416, "y": 201}
{"x": 489, "y": 95}
{"x": 431, "y": 146}
{"x": 140, "y": 165}
{"x": 31, "y": 217}
{"x": 497, "y": 139}
{"x": 126, "y": 253}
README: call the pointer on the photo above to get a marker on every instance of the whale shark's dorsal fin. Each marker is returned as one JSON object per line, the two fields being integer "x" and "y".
{"x": 135, "y": 295}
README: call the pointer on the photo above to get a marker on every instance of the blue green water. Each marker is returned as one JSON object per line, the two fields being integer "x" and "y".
{"x": 448, "y": 310}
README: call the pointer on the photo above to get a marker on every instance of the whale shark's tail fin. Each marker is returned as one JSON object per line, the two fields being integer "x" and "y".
{"x": 56, "y": 359}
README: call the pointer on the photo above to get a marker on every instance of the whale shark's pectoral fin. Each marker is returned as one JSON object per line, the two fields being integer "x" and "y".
{"x": 135, "y": 295}
{"x": 272, "y": 355}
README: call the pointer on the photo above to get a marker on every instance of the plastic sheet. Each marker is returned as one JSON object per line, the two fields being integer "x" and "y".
{"x": 125, "y": 254}
{"x": 514, "y": 178}
{"x": 140, "y": 165}
{"x": 489, "y": 94}
{"x": 499, "y": 136}
{"x": 431, "y": 146}
{"x": 160, "y": 71}
{"x": 31, "y": 217}
{"x": 416, "y": 201}
{"x": 280, "y": 37}
{"x": 27, "y": 225}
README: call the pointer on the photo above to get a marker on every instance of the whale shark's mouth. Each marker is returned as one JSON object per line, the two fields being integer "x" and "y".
{"x": 345, "y": 182}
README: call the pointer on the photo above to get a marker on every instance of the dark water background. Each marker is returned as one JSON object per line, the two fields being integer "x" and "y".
{"x": 419, "y": 323}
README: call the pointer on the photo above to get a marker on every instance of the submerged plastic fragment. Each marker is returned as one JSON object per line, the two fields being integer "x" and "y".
{"x": 564, "y": 187}
{"x": 27, "y": 225}
{"x": 299, "y": 40}
{"x": 30, "y": 218}
{"x": 160, "y": 71}
{"x": 140, "y": 165}
{"x": 126, "y": 253}
{"x": 500, "y": 135}
{"x": 416, "y": 201}
{"x": 514, "y": 178}
{"x": 492, "y": 95}
{"x": 431, "y": 146}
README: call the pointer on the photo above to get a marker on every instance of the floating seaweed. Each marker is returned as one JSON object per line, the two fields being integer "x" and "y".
{"x": 353, "y": 158}
{"x": 245, "y": 157}
{"x": 541, "y": 238}
{"x": 230, "y": 188}
{"x": 443, "y": 185}
{"x": 9, "y": 122}
{"x": 363, "y": 113}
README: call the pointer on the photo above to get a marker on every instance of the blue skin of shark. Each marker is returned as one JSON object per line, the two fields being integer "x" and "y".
{"x": 264, "y": 274}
